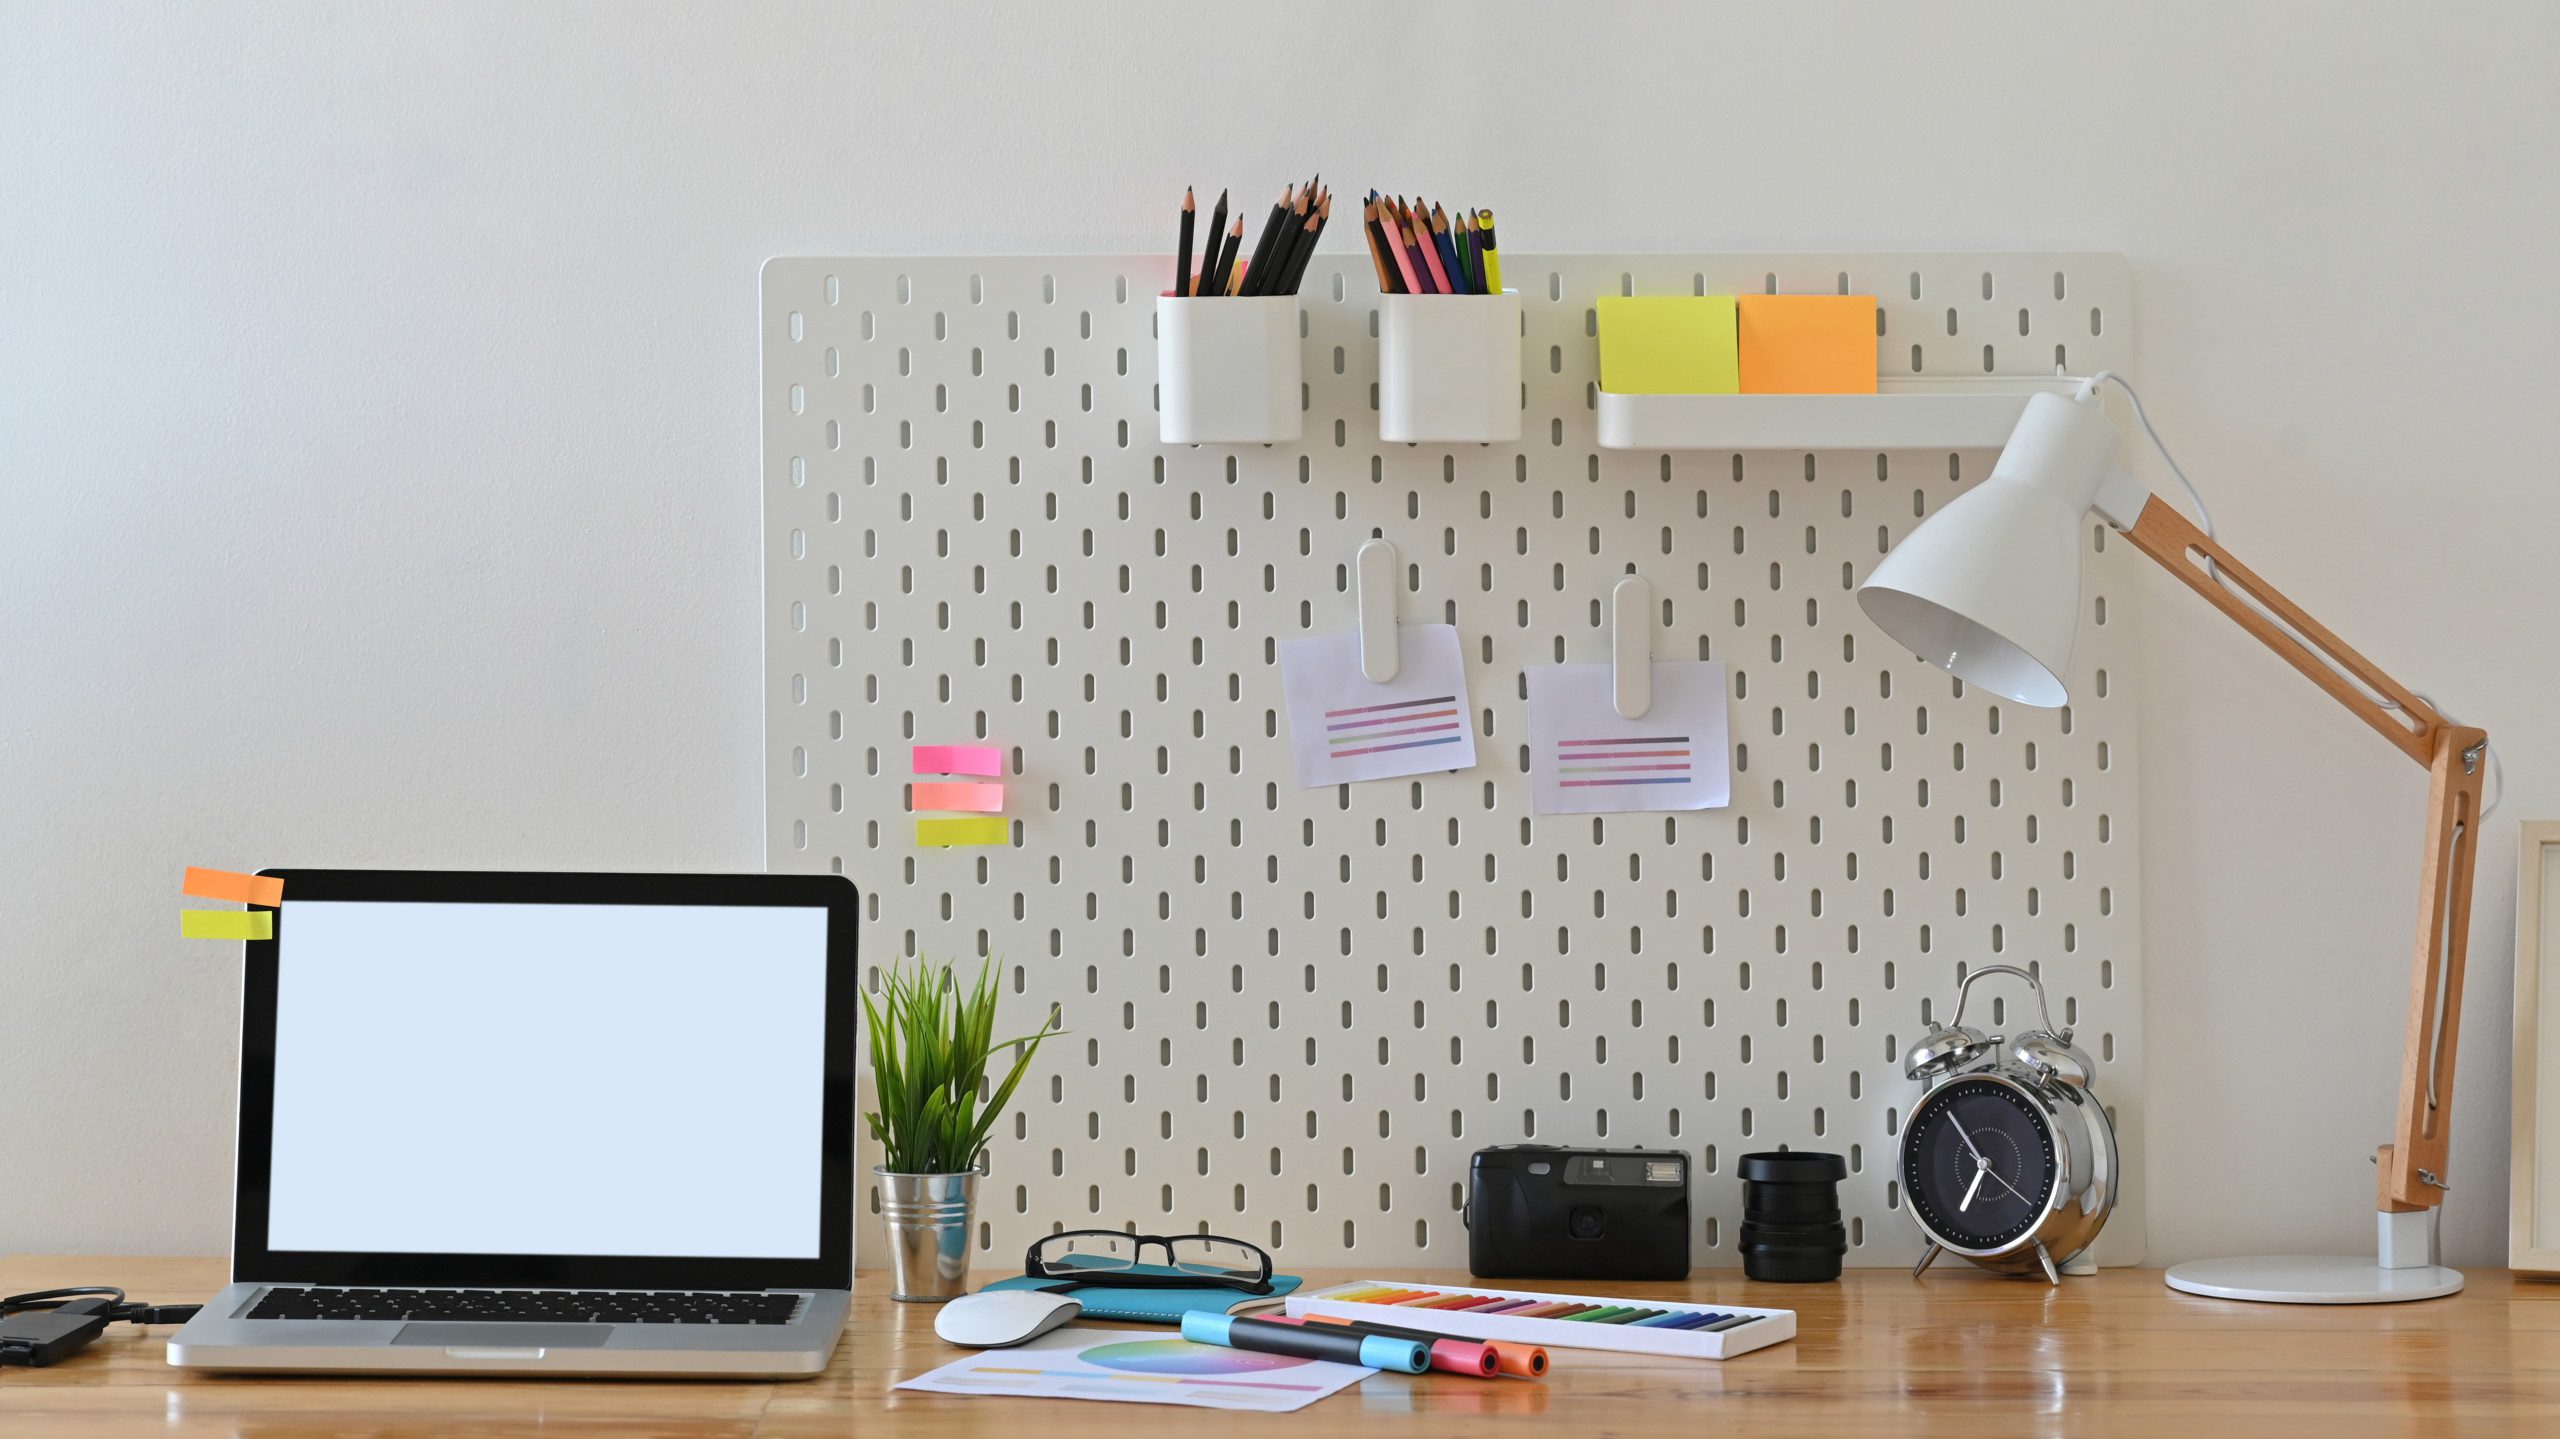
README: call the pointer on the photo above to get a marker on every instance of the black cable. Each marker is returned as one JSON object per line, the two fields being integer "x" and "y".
{"x": 71, "y": 1318}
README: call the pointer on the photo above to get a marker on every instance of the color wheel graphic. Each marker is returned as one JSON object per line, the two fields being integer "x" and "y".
{"x": 1182, "y": 1357}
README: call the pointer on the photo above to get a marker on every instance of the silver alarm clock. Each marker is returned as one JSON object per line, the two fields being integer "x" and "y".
{"x": 2008, "y": 1159}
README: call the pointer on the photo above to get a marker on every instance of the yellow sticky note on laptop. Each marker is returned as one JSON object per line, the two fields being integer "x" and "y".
{"x": 226, "y": 924}
{"x": 1668, "y": 345}
{"x": 1807, "y": 344}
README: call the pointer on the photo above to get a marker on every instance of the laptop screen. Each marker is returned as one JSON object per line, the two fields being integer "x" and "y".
{"x": 628, "y": 1079}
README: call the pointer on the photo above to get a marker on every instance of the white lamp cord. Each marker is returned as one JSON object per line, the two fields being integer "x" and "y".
{"x": 2204, "y": 521}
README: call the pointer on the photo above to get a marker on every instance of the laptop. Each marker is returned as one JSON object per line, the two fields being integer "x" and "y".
{"x": 568, "y": 1124}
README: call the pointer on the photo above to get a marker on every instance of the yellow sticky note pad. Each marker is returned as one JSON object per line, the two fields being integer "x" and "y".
{"x": 226, "y": 924}
{"x": 963, "y": 831}
{"x": 1806, "y": 344}
{"x": 1668, "y": 345}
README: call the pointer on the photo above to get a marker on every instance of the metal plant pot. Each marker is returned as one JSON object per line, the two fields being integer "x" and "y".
{"x": 927, "y": 1216}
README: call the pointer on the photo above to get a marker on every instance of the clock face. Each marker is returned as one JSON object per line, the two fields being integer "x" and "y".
{"x": 1978, "y": 1164}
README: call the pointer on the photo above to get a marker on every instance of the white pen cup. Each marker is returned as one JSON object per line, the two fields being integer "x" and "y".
{"x": 1449, "y": 368}
{"x": 1228, "y": 370}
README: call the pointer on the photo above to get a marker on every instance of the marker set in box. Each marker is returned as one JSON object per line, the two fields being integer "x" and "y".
{"x": 1577, "y": 1321}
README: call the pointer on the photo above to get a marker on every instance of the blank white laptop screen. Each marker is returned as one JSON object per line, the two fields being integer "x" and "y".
{"x": 574, "y": 1079}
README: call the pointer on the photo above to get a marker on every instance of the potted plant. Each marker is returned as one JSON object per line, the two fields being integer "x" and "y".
{"x": 930, "y": 1043}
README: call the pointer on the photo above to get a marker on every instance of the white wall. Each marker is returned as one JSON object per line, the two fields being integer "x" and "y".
{"x": 378, "y": 443}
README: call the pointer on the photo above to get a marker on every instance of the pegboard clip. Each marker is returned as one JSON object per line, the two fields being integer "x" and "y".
{"x": 1375, "y": 569}
{"x": 1631, "y": 647}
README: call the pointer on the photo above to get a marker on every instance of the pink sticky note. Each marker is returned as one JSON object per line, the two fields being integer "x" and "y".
{"x": 966, "y": 798}
{"x": 984, "y": 759}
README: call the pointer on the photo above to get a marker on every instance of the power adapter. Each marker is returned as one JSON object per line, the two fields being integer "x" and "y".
{"x": 42, "y": 1336}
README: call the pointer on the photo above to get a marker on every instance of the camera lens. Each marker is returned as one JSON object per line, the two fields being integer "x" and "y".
{"x": 1791, "y": 1229}
{"x": 1584, "y": 1223}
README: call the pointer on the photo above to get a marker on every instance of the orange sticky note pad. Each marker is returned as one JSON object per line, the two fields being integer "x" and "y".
{"x": 966, "y": 798}
{"x": 1806, "y": 344}
{"x": 237, "y": 888}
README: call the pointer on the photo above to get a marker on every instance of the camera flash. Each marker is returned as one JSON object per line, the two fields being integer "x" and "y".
{"x": 1662, "y": 1171}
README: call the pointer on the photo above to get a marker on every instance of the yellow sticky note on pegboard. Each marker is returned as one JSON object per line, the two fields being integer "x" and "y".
{"x": 941, "y": 832}
{"x": 1668, "y": 345}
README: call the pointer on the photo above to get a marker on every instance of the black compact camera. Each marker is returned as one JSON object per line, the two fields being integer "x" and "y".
{"x": 1535, "y": 1212}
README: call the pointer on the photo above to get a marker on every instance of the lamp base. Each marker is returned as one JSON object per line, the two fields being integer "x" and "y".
{"x": 2313, "y": 1279}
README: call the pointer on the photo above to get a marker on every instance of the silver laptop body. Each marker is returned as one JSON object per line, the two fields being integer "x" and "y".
{"x": 558, "y": 1124}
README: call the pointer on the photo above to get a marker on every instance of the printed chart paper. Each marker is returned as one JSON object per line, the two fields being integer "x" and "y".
{"x": 1342, "y": 728}
{"x": 1585, "y": 759}
{"x": 1131, "y": 1368}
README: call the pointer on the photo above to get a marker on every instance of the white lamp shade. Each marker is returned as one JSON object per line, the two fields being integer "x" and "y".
{"x": 1988, "y": 589}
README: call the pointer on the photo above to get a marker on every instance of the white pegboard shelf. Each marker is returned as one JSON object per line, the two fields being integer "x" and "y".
{"x": 1296, "y": 1013}
{"x": 1904, "y": 414}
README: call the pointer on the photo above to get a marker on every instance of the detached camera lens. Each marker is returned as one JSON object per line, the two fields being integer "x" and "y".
{"x": 1791, "y": 1229}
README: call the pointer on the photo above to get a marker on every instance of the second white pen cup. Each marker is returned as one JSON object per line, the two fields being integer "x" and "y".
{"x": 1227, "y": 370}
{"x": 1449, "y": 368}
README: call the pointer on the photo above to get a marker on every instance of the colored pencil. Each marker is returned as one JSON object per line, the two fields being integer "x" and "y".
{"x": 1439, "y": 237}
{"x": 1428, "y": 244}
{"x": 1492, "y": 255}
{"x": 1376, "y": 237}
{"x": 1466, "y": 243}
{"x": 1390, "y": 233}
{"x": 1182, "y": 255}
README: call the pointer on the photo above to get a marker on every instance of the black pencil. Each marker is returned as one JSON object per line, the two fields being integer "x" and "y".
{"x": 1182, "y": 255}
{"x": 1285, "y": 249}
{"x": 1209, "y": 252}
{"x": 1306, "y": 247}
{"x": 1227, "y": 257}
{"x": 1255, "y": 273}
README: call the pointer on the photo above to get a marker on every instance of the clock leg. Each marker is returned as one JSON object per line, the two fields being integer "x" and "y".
{"x": 2046, "y": 1260}
{"x": 1928, "y": 1257}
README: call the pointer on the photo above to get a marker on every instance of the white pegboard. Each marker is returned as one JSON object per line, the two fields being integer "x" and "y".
{"x": 1296, "y": 1012}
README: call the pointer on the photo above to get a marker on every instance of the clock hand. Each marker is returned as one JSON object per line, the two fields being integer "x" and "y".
{"x": 1970, "y": 1147}
{"x": 2005, "y": 1184}
{"x": 1979, "y": 1170}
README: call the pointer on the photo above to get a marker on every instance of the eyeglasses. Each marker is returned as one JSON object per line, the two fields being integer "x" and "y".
{"x": 1109, "y": 1257}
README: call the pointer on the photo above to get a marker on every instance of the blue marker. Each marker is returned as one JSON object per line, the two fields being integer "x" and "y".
{"x": 1342, "y": 1346}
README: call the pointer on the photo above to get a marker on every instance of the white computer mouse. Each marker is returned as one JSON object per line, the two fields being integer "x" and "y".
{"x": 999, "y": 1318}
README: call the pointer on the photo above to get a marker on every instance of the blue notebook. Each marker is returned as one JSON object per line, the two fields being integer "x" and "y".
{"x": 1158, "y": 1306}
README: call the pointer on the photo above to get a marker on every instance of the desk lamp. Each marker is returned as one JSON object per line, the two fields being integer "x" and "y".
{"x": 1988, "y": 589}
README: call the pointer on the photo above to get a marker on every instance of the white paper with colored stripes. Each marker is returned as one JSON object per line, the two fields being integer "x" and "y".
{"x": 1586, "y": 758}
{"x": 1343, "y": 728}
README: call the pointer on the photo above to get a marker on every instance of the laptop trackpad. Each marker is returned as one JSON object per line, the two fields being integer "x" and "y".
{"x": 504, "y": 1336}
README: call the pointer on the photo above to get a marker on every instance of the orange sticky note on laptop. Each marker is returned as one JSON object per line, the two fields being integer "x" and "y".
{"x": 1806, "y": 344}
{"x": 263, "y": 889}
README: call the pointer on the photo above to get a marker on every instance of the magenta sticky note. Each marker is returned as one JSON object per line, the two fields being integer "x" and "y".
{"x": 959, "y": 759}
{"x": 960, "y": 796}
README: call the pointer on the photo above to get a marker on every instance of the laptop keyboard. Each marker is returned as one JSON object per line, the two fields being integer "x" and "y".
{"x": 583, "y": 1306}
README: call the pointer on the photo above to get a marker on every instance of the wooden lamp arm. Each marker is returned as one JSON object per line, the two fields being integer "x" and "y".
{"x": 2412, "y": 1167}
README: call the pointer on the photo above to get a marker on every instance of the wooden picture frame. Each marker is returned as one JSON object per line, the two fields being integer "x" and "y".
{"x": 2533, "y": 1199}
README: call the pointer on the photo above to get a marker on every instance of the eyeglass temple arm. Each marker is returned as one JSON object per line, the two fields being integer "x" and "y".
{"x": 2412, "y": 1167}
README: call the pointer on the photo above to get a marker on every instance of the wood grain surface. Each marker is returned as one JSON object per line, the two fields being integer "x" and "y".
{"x": 1877, "y": 1355}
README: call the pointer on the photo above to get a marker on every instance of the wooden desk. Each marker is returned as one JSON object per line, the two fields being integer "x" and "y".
{"x": 1877, "y": 1355}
